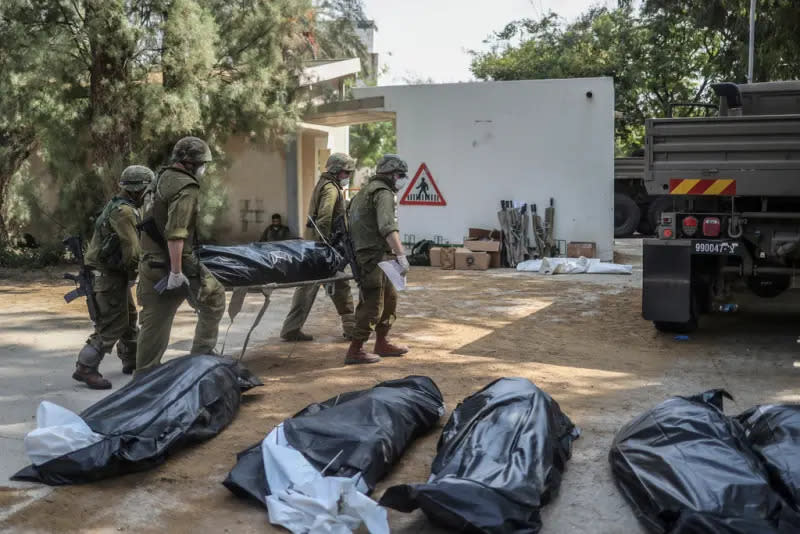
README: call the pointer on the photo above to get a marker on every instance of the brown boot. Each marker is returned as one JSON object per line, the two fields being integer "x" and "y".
{"x": 90, "y": 376}
{"x": 384, "y": 347}
{"x": 356, "y": 354}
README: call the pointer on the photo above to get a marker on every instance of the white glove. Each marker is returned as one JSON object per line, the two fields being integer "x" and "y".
{"x": 404, "y": 265}
{"x": 176, "y": 280}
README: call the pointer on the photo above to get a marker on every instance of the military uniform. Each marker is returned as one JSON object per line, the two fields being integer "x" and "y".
{"x": 373, "y": 216}
{"x": 279, "y": 233}
{"x": 114, "y": 254}
{"x": 326, "y": 206}
{"x": 173, "y": 207}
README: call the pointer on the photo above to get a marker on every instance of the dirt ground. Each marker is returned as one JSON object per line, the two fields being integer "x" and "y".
{"x": 582, "y": 341}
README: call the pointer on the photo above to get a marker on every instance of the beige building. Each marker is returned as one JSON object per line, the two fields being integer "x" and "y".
{"x": 263, "y": 180}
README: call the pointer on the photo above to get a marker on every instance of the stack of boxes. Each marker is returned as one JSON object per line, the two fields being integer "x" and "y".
{"x": 481, "y": 251}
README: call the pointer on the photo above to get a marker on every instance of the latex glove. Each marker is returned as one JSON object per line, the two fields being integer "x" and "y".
{"x": 176, "y": 280}
{"x": 404, "y": 265}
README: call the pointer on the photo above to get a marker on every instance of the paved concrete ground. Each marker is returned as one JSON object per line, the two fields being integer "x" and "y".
{"x": 580, "y": 338}
{"x": 36, "y": 345}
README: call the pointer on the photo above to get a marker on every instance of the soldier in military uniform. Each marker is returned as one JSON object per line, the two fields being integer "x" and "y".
{"x": 375, "y": 235}
{"x": 276, "y": 231}
{"x": 114, "y": 254}
{"x": 327, "y": 204}
{"x": 169, "y": 232}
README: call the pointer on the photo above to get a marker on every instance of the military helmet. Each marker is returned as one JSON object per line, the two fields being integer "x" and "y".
{"x": 135, "y": 178}
{"x": 340, "y": 162}
{"x": 391, "y": 163}
{"x": 191, "y": 149}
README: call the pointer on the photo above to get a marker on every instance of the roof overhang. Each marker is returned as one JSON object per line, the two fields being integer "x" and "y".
{"x": 324, "y": 71}
{"x": 350, "y": 112}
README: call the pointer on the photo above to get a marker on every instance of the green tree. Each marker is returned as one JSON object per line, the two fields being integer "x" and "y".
{"x": 654, "y": 61}
{"x": 95, "y": 85}
{"x": 370, "y": 141}
{"x": 777, "y": 55}
{"x": 666, "y": 52}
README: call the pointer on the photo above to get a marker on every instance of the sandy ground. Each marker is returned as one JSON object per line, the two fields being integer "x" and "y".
{"x": 579, "y": 338}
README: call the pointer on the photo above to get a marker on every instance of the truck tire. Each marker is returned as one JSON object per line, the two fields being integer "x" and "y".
{"x": 626, "y": 215}
{"x": 645, "y": 228}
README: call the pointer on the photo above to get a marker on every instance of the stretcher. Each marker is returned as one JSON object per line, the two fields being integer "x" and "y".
{"x": 240, "y": 292}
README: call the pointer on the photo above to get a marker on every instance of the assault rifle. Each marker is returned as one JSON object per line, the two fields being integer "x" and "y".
{"x": 84, "y": 280}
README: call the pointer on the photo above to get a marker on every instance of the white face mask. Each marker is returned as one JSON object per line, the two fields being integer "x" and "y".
{"x": 344, "y": 183}
{"x": 201, "y": 170}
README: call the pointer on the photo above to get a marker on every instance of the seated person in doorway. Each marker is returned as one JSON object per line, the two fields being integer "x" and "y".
{"x": 276, "y": 231}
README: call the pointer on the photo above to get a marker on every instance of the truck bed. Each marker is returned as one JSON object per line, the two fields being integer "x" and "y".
{"x": 760, "y": 153}
{"x": 631, "y": 168}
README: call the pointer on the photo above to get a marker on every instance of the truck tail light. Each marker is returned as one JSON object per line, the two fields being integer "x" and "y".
{"x": 689, "y": 225}
{"x": 712, "y": 227}
{"x": 666, "y": 233}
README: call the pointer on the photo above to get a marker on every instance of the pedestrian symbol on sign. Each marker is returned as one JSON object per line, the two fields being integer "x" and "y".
{"x": 423, "y": 191}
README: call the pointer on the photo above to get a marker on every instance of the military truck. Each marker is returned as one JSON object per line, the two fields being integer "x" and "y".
{"x": 634, "y": 209}
{"x": 734, "y": 223}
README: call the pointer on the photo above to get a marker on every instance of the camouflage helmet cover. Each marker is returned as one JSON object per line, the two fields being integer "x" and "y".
{"x": 391, "y": 163}
{"x": 135, "y": 178}
{"x": 340, "y": 162}
{"x": 191, "y": 149}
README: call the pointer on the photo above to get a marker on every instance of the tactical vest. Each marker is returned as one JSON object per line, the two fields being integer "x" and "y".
{"x": 363, "y": 217}
{"x": 169, "y": 182}
{"x": 105, "y": 251}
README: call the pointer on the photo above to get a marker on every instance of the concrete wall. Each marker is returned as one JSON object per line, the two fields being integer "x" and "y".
{"x": 525, "y": 141}
{"x": 256, "y": 188}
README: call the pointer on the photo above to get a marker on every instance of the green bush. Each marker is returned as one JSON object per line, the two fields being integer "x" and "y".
{"x": 32, "y": 258}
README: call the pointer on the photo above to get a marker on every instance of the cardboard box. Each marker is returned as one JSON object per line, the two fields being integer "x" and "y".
{"x": 482, "y": 245}
{"x": 472, "y": 261}
{"x": 448, "y": 258}
{"x": 480, "y": 233}
{"x": 435, "y": 255}
{"x": 576, "y": 249}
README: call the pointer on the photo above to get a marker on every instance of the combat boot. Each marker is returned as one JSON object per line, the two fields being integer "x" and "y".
{"x": 126, "y": 351}
{"x": 90, "y": 376}
{"x": 296, "y": 336}
{"x": 384, "y": 347}
{"x": 356, "y": 354}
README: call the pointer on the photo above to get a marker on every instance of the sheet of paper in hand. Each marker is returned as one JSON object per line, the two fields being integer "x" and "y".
{"x": 392, "y": 269}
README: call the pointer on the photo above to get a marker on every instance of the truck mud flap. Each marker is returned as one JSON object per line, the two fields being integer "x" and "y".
{"x": 667, "y": 281}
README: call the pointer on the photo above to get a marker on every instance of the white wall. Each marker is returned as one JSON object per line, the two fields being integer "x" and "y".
{"x": 524, "y": 141}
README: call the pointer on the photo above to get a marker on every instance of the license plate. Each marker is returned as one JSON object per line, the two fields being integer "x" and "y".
{"x": 717, "y": 248}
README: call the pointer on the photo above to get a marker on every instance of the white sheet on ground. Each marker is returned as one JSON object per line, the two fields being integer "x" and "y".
{"x": 304, "y": 501}
{"x": 58, "y": 432}
{"x": 573, "y": 266}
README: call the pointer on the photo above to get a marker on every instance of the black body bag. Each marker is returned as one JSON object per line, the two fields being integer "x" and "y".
{"x": 499, "y": 459}
{"x": 685, "y": 467}
{"x": 356, "y": 434}
{"x": 279, "y": 262}
{"x": 186, "y": 400}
